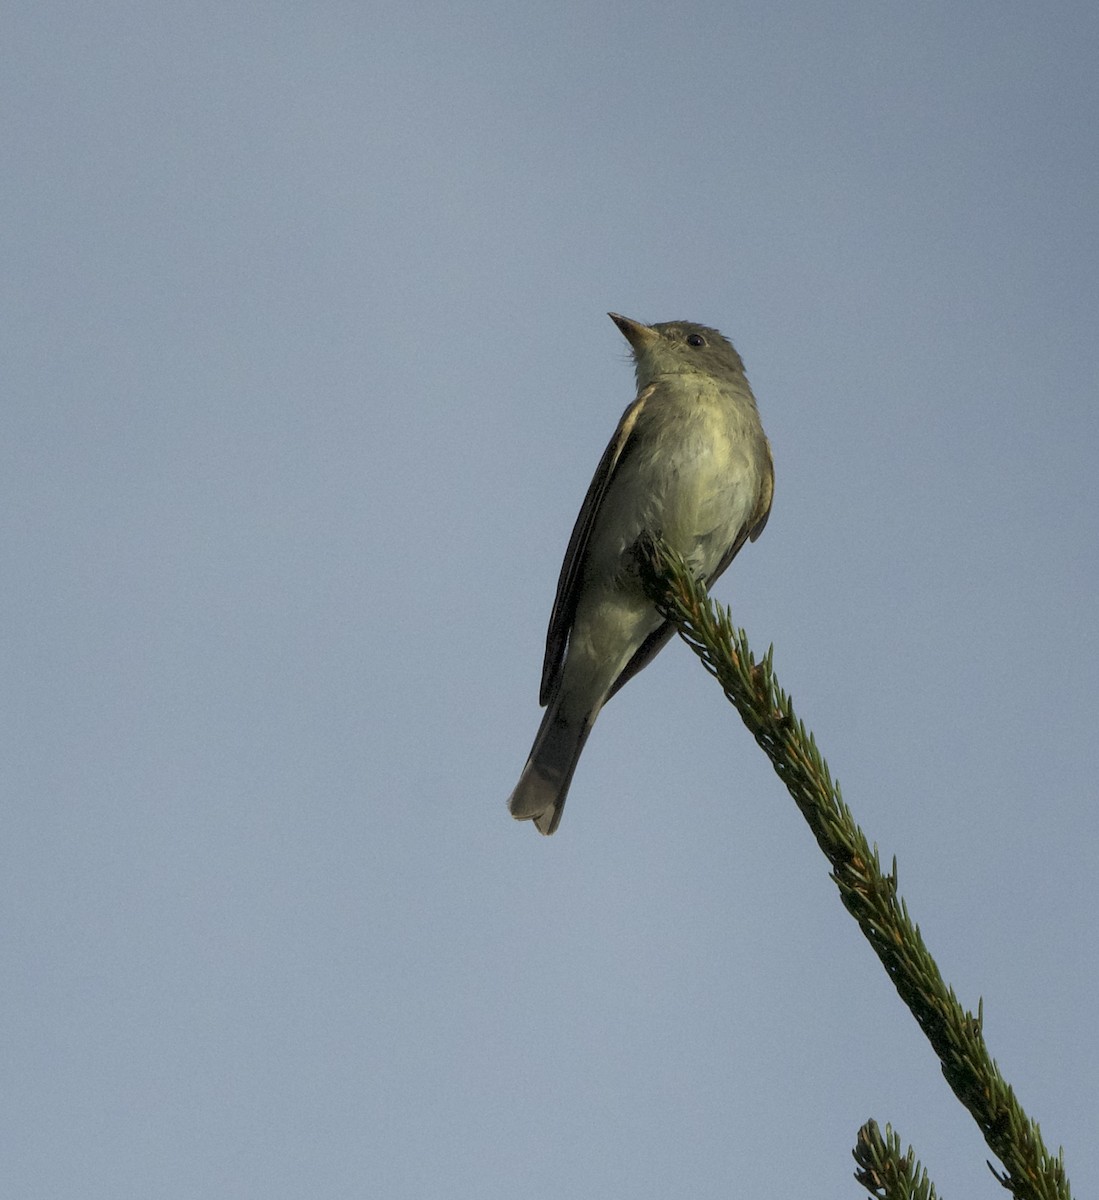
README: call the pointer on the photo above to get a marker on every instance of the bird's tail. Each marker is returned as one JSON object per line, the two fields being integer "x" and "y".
{"x": 539, "y": 795}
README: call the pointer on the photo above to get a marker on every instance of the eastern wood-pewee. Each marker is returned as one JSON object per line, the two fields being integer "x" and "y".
{"x": 689, "y": 463}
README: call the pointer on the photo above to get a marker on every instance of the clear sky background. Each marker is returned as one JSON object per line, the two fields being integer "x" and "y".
{"x": 305, "y": 372}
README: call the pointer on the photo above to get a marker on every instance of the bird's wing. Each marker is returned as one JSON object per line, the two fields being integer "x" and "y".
{"x": 568, "y": 585}
{"x": 658, "y": 639}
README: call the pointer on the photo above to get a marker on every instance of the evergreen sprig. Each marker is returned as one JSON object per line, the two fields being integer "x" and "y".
{"x": 884, "y": 1171}
{"x": 869, "y": 894}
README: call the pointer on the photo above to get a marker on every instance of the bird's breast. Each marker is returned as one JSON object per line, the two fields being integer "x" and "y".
{"x": 690, "y": 475}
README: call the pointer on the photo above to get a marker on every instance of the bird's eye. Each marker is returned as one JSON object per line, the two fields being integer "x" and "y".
{"x": 695, "y": 339}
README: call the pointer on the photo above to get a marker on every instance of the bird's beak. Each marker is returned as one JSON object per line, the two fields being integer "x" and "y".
{"x": 639, "y": 336}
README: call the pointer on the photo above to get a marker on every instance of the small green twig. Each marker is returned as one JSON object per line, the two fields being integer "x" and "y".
{"x": 870, "y": 895}
{"x": 884, "y": 1171}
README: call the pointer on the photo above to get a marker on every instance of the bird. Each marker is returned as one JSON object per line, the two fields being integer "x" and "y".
{"x": 689, "y": 465}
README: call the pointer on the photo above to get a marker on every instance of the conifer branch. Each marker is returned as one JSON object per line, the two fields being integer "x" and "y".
{"x": 1030, "y": 1172}
{"x": 884, "y": 1171}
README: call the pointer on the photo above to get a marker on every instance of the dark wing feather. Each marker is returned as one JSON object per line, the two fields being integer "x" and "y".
{"x": 568, "y": 585}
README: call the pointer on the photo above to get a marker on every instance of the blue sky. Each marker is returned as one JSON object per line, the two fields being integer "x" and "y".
{"x": 306, "y": 371}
